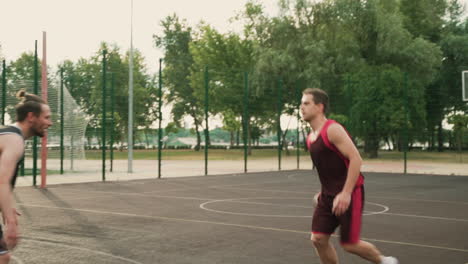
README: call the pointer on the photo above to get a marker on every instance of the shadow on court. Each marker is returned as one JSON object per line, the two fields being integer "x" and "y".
{"x": 237, "y": 218}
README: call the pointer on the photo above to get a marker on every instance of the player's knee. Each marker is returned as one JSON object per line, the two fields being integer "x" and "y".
{"x": 319, "y": 240}
{"x": 5, "y": 258}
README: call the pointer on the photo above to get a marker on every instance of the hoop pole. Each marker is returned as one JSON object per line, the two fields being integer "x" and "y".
{"x": 464, "y": 88}
{"x": 62, "y": 125}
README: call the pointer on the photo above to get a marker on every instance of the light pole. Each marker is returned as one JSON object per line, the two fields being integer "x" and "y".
{"x": 130, "y": 96}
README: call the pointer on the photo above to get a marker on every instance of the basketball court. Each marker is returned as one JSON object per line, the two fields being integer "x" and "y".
{"x": 235, "y": 218}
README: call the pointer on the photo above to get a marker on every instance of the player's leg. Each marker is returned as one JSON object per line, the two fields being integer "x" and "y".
{"x": 368, "y": 251}
{"x": 365, "y": 250}
{"x": 4, "y": 254}
{"x": 324, "y": 248}
{"x": 350, "y": 230}
{"x": 324, "y": 224}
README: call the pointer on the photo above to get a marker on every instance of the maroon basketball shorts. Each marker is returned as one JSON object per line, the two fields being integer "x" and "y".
{"x": 325, "y": 222}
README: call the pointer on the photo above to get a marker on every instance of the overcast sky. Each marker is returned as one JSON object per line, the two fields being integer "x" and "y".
{"x": 75, "y": 28}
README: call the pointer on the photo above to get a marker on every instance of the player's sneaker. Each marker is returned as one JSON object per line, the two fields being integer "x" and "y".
{"x": 389, "y": 260}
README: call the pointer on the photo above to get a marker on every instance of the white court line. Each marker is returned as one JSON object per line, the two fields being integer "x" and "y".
{"x": 370, "y": 196}
{"x": 281, "y": 191}
{"x": 281, "y": 205}
{"x": 263, "y": 190}
{"x": 80, "y": 191}
{"x": 144, "y": 195}
{"x": 203, "y": 206}
{"x": 414, "y": 244}
{"x": 228, "y": 187}
{"x": 180, "y": 189}
{"x": 32, "y": 240}
{"x": 234, "y": 225}
{"x": 407, "y": 215}
{"x": 77, "y": 199}
{"x": 204, "y": 199}
{"x": 386, "y": 208}
{"x": 115, "y": 193}
{"x": 252, "y": 189}
{"x": 418, "y": 200}
{"x": 249, "y": 184}
{"x": 429, "y": 217}
{"x": 215, "y": 186}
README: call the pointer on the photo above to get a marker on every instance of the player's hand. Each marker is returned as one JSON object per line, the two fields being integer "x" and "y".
{"x": 15, "y": 213}
{"x": 341, "y": 203}
{"x": 317, "y": 197}
{"x": 11, "y": 234}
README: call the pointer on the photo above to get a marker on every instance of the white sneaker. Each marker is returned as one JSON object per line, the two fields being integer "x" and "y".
{"x": 389, "y": 260}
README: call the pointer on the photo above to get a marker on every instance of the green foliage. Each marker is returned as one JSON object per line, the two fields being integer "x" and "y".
{"x": 460, "y": 128}
{"x": 227, "y": 58}
{"x": 230, "y": 121}
{"x": 424, "y": 18}
{"x": 22, "y": 69}
{"x": 178, "y": 61}
{"x": 171, "y": 128}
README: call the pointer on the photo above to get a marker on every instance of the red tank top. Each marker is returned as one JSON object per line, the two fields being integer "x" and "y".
{"x": 332, "y": 166}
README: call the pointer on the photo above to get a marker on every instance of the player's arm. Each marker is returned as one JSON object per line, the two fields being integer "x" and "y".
{"x": 340, "y": 138}
{"x": 12, "y": 150}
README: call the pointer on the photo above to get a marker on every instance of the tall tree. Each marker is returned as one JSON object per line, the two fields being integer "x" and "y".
{"x": 175, "y": 40}
{"x": 360, "y": 42}
{"x": 440, "y": 21}
{"x": 22, "y": 69}
{"x": 231, "y": 123}
{"x": 387, "y": 50}
{"x": 424, "y": 18}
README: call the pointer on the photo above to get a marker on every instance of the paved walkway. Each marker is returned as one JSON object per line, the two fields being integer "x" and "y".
{"x": 91, "y": 170}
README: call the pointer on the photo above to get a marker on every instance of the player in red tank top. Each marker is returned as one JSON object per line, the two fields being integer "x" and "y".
{"x": 341, "y": 199}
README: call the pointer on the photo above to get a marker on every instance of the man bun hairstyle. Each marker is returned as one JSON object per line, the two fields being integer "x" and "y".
{"x": 319, "y": 97}
{"x": 28, "y": 103}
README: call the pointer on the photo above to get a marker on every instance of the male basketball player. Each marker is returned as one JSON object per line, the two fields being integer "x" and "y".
{"x": 341, "y": 200}
{"x": 33, "y": 118}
